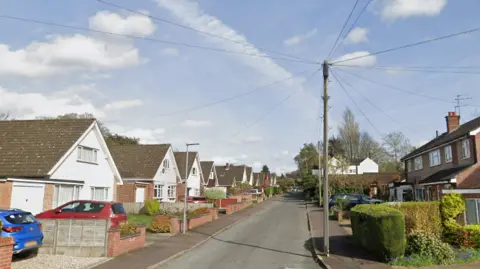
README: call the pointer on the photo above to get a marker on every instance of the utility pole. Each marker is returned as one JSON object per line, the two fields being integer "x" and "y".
{"x": 326, "y": 237}
{"x": 459, "y": 99}
{"x": 319, "y": 173}
{"x": 185, "y": 203}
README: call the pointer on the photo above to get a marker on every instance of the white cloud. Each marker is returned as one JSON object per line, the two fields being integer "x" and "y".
{"x": 401, "y": 9}
{"x": 95, "y": 76}
{"x": 173, "y": 52}
{"x": 295, "y": 40}
{"x": 251, "y": 139}
{"x": 357, "y": 35}
{"x": 284, "y": 152}
{"x": 32, "y": 104}
{"x": 257, "y": 165}
{"x": 135, "y": 24}
{"x": 285, "y": 169}
{"x": 364, "y": 61}
{"x": 196, "y": 123}
{"x": 124, "y": 104}
{"x": 223, "y": 160}
{"x": 146, "y": 136}
{"x": 243, "y": 156}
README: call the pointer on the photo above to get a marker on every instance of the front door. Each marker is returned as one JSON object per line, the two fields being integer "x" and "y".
{"x": 140, "y": 195}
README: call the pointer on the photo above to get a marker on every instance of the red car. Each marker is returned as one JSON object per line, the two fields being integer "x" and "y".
{"x": 87, "y": 209}
{"x": 196, "y": 199}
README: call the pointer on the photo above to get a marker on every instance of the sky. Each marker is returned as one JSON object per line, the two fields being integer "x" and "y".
{"x": 162, "y": 92}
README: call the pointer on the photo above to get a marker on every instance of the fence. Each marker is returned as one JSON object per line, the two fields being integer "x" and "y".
{"x": 75, "y": 237}
{"x": 136, "y": 208}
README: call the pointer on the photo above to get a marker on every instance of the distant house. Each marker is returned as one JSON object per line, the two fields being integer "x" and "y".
{"x": 194, "y": 175}
{"x": 149, "y": 172}
{"x": 257, "y": 179}
{"x": 46, "y": 163}
{"x": 356, "y": 167}
{"x": 225, "y": 176}
{"x": 448, "y": 163}
{"x": 249, "y": 171}
{"x": 210, "y": 176}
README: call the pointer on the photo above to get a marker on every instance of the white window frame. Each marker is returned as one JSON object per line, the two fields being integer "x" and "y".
{"x": 465, "y": 149}
{"x": 81, "y": 155}
{"x": 58, "y": 188}
{"x": 194, "y": 171}
{"x": 197, "y": 192}
{"x": 418, "y": 165}
{"x": 420, "y": 192}
{"x": 211, "y": 175}
{"x": 477, "y": 209}
{"x": 166, "y": 164}
{"x": 171, "y": 191}
{"x": 434, "y": 158}
{"x": 159, "y": 189}
{"x": 105, "y": 193}
{"x": 409, "y": 165}
{"x": 448, "y": 154}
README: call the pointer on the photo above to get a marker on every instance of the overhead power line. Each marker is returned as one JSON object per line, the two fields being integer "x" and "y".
{"x": 355, "y": 103}
{"x": 199, "y": 31}
{"x": 409, "y": 45}
{"x": 343, "y": 28}
{"x": 351, "y": 28}
{"x": 173, "y": 43}
{"x": 406, "y": 69}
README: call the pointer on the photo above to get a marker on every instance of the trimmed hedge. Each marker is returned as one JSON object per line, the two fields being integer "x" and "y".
{"x": 380, "y": 229}
{"x": 421, "y": 216}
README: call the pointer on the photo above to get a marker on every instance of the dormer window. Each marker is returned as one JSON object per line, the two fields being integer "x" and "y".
{"x": 465, "y": 149}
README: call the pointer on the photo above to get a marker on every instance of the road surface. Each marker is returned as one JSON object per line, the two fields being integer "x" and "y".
{"x": 274, "y": 238}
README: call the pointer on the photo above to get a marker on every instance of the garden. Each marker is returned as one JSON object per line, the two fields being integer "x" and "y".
{"x": 417, "y": 234}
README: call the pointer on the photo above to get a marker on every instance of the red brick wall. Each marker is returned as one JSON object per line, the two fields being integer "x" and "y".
{"x": 477, "y": 146}
{"x": 5, "y": 194}
{"x": 48, "y": 197}
{"x": 126, "y": 192}
{"x": 118, "y": 245}
{"x": 200, "y": 220}
{"x": 175, "y": 228}
{"x": 180, "y": 191}
{"x": 6, "y": 252}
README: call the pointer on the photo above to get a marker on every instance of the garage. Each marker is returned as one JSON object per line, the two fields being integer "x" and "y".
{"x": 28, "y": 196}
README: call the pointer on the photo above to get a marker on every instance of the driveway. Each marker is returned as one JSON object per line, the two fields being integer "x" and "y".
{"x": 276, "y": 237}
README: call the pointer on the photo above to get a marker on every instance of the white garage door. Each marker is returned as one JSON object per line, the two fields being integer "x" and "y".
{"x": 28, "y": 196}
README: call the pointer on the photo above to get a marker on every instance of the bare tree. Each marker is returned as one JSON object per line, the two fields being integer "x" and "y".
{"x": 349, "y": 132}
{"x": 4, "y": 116}
{"x": 396, "y": 145}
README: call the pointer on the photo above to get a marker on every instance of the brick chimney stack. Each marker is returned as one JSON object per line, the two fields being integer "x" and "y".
{"x": 453, "y": 121}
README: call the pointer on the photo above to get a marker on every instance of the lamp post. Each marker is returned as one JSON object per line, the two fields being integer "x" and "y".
{"x": 185, "y": 204}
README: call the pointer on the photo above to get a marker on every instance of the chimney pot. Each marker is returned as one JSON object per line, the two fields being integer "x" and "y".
{"x": 453, "y": 121}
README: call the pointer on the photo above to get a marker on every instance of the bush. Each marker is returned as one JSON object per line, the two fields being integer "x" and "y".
{"x": 152, "y": 207}
{"x": 451, "y": 206}
{"x": 427, "y": 245}
{"x": 128, "y": 228}
{"x": 341, "y": 204}
{"x": 268, "y": 191}
{"x": 215, "y": 194}
{"x": 422, "y": 216}
{"x": 160, "y": 224}
{"x": 200, "y": 211}
{"x": 380, "y": 229}
{"x": 470, "y": 236}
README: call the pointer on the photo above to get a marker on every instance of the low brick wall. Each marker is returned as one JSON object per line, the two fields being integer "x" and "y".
{"x": 175, "y": 225}
{"x": 222, "y": 203}
{"x": 214, "y": 213}
{"x": 6, "y": 252}
{"x": 199, "y": 220}
{"x": 118, "y": 245}
{"x": 231, "y": 208}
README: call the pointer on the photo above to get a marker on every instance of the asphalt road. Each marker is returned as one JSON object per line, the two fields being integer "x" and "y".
{"x": 276, "y": 237}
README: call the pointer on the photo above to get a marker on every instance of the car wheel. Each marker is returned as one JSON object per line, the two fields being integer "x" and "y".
{"x": 28, "y": 253}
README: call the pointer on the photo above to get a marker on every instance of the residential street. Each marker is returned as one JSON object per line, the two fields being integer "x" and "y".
{"x": 273, "y": 238}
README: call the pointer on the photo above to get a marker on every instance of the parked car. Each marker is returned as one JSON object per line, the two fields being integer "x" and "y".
{"x": 196, "y": 199}
{"x": 352, "y": 200}
{"x": 255, "y": 191}
{"x": 88, "y": 209}
{"x": 25, "y": 230}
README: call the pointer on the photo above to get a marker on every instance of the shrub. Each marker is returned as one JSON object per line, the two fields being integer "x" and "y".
{"x": 215, "y": 194}
{"x": 341, "y": 203}
{"x": 427, "y": 245}
{"x": 201, "y": 211}
{"x": 380, "y": 229}
{"x": 128, "y": 228}
{"x": 160, "y": 224}
{"x": 268, "y": 191}
{"x": 152, "y": 207}
{"x": 451, "y": 206}
{"x": 470, "y": 236}
{"x": 423, "y": 216}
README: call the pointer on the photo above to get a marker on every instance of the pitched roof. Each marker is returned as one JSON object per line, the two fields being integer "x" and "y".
{"x": 249, "y": 173}
{"x": 446, "y": 137}
{"x": 31, "y": 148}
{"x": 180, "y": 158}
{"x": 139, "y": 161}
{"x": 225, "y": 177}
{"x": 206, "y": 169}
{"x": 444, "y": 175}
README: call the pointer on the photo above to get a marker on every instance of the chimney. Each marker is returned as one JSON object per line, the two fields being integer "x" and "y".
{"x": 437, "y": 133}
{"x": 453, "y": 121}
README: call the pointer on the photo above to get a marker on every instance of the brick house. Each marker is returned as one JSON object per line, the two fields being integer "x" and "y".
{"x": 448, "y": 163}
{"x": 194, "y": 176}
{"x": 209, "y": 171}
{"x": 228, "y": 176}
{"x": 148, "y": 172}
{"x": 47, "y": 163}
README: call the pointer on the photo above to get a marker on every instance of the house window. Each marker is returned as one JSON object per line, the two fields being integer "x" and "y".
{"x": 194, "y": 171}
{"x": 100, "y": 193}
{"x": 86, "y": 154}
{"x": 434, "y": 157}
{"x": 473, "y": 211}
{"x": 448, "y": 154}
{"x": 63, "y": 194}
{"x": 158, "y": 191}
{"x": 419, "y": 194}
{"x": 211, "y": 175}
{"x": 465, "y": 149}
{"x": 172, "y": 191}
{"x": 409, "y": 165}
{"x": 166, "y": 164}
{"x": 418, "y": 163}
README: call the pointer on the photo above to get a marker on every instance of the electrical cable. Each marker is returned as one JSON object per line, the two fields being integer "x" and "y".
{"x": 343, "y": 28}
{"x": 405, "y": 69}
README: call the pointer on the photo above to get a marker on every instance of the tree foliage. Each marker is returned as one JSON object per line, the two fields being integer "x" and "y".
{"x": 265, "y": 169}
{"x": 5, "y": 116}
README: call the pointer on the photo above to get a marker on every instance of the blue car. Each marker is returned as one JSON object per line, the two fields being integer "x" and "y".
{"x": 352, "y": 200}
{"x": 25, "y": 230}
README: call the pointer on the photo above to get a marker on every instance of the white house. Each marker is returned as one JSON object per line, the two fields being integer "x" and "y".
{"x": 46, "y": 163}
{"x": 148, "y": 172}
{"x": 194, "y": 176}
{"x": 365, "y": 166}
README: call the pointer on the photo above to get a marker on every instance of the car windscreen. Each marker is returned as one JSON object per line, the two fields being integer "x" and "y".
{"x": 20, "y": 218}
{"x": 199, "y": 199}
{"x": 83, "y": 207}
{"x": 118, "y": 209}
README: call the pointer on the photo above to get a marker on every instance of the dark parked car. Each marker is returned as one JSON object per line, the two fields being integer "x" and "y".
{"x": 353, "y": 200}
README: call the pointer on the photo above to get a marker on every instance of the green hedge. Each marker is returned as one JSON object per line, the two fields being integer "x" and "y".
{"x": 380, "y": 229}
{"x": 421, "y": 216}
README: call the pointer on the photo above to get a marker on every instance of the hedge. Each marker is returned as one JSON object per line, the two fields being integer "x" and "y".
{"x": 421, "y": 216}
{"x": 380, "y": 229}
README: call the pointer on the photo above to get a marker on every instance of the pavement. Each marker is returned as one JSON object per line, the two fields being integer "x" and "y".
{"x": 343, "y": 253}
{"x": 274, "y": 237}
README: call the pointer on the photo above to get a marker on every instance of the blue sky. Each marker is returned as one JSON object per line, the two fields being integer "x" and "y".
{"x": 129, "y": 84}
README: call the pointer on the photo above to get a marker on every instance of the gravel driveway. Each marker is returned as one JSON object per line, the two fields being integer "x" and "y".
{"x": 44, "y": 261}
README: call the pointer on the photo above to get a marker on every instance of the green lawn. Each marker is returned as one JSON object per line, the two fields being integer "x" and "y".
{"x": 140, "y": 219}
